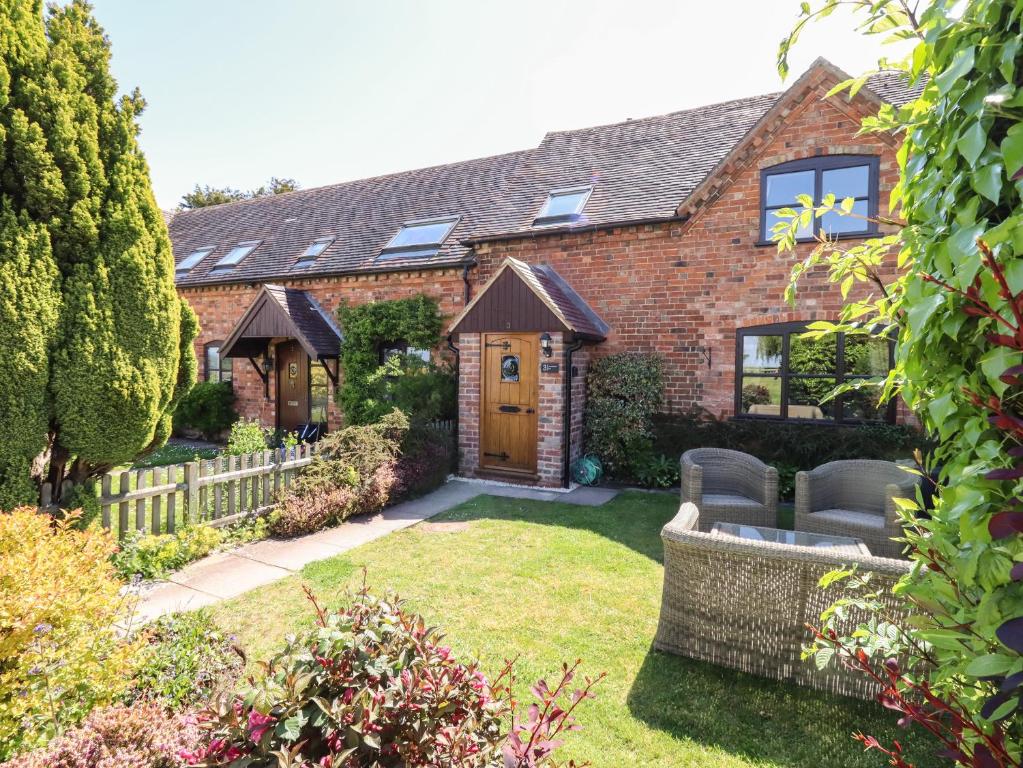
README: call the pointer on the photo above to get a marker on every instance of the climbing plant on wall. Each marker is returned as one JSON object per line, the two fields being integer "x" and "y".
{"x": 958, "y": 307}
{"x": 374, "y": 384}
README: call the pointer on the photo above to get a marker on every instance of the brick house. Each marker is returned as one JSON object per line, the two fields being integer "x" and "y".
{"x": 649, "y": 235}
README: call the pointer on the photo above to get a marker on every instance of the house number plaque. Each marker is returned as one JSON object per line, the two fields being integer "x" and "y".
{"x": 293, "y": 403}
{"x": 550, "y": 367}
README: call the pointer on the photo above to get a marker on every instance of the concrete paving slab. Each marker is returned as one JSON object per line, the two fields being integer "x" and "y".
{"x": 589, "y": 497}
{"x": 227, "y": 575}
{"x": 170, "y": 598}
{"x": 289, "y": 554}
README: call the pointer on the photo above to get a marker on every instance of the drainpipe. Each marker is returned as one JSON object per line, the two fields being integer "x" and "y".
{"x": 567, "y": 419}
{"x": 458, "y": 415}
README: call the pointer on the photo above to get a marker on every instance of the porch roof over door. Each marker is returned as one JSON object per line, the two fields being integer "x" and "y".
{"x": 279, "y": 312}
{"x": 529, "y": 297}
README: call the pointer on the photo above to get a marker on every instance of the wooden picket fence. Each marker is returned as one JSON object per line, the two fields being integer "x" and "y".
{"x": 218, "y": 491}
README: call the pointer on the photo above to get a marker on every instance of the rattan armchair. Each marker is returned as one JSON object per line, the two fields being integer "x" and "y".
{"x": 729, "y": 486}
{"x": 745, "y": 604}
{"x": 855, "y": 498}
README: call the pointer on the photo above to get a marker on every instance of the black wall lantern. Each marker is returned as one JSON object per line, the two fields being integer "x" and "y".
{"x": 545, "y": 344}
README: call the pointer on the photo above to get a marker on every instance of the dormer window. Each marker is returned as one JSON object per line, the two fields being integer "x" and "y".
{"x": 563, "y": 205}
{"x": 843, "y": 176}
{"x": 188, "y": 263}
{"x": 234, "y": 257}
{"x": 310, "y": 254}
{"x": 419, "y": 239}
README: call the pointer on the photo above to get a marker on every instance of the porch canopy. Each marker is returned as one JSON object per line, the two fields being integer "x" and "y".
{"x": 527, "y": 297}
{"x": 278, "y": 312}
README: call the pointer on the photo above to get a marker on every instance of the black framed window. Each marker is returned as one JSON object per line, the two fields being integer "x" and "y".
{"x": 844, "y": 176}
{"x": 217, "y": 368}
{"x": 781, "y": 374}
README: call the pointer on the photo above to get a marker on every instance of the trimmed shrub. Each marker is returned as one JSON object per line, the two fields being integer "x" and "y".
{"x": 187, "y": 661}
{"x": 141, "y": 736}
{"x": 247, "y": 436}
{"x": 353, "y": 473}
{"x": 207, "y": 409}
{"x": 60, "y": 655}
{"x": 426, "y": 460}
{"x": 623, "y": 392}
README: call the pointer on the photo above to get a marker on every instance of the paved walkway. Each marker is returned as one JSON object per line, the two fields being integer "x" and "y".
{"x": 228, "y": 574}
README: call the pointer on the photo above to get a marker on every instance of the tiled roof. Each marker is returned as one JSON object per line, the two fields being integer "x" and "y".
{"x": 640, "y": 170}
{"x": 279, "y": 311}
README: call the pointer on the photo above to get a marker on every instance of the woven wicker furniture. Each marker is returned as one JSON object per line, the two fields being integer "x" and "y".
{"x": 743, "y": 603}
{"x": 854, "y": 498}
{"x": 729, "y": 486}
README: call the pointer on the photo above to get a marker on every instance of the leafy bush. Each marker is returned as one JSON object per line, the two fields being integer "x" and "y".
{"x": 426, "y": 460}
{"x": 247, "y": 436}
{"x": 656, "y": 471}
{"x": 373, "y": 685}
{"x": 186, "y": 661}
{"x": 803, "y": 446}
{"x": 207, "y": 409}
{"x": 143, "y": 735}
{"x": 153, "y": 557}
{"x": 352, "y": 473}
{"x": 422, "y": 391}
{"x": 60, "y": 655}
{"x": 623, "y": 392}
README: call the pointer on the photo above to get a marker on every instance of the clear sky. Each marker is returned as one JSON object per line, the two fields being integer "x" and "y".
{"x": 241, "y": 90}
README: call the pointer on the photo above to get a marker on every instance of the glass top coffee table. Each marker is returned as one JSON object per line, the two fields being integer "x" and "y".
{"x": 845, "y": 544}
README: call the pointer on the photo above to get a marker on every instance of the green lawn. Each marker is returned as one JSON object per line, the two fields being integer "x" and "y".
{"x": 551, "y": 582}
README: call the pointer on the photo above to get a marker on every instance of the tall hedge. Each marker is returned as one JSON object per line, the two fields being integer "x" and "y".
{"x": 95, "y": 330}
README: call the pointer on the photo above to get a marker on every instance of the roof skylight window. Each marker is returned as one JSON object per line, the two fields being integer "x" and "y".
{"x": 236, "y": 254}
{"x": 563, "y": 205}
{"x": 419, "y": 239}
{"x": 310, "y": 254}
{"x": 188, "y": 263}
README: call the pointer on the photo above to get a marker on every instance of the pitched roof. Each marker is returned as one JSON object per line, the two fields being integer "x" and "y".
{"x": 566, "y": 307}
{"x": 278, "y": 311}
{"x": 640, "y": 170}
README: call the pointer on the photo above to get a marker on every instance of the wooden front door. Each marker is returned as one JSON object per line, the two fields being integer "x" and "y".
{"x": 509, "y": 402}
{"x": 292, "y": 386}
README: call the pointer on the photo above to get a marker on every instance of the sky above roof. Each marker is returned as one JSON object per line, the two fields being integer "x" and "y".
{"x": 323, "y": 92}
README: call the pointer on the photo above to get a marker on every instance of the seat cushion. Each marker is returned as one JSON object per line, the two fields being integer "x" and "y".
{"x": 729, "y": 500}
{"x": 849, "y": 517}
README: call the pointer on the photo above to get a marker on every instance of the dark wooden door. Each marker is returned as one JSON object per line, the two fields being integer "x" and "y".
{"x": 292, "y": 386}
{"x": 509, "y": 399}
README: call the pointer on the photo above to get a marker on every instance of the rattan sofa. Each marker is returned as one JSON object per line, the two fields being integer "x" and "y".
{"x": 729, "y": 486}
{"x": 855, "y": 498}
{"x": 745, "y": 604}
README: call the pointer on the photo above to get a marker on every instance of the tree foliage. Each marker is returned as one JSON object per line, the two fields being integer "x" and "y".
{"x": 94, "y": 331}
{"x": 370, "y": 389}
{"x": 957, "y": 304}
{"x": 203, "y": 196}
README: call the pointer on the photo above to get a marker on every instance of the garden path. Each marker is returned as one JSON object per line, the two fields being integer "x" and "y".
{"x": 227, "y": 574}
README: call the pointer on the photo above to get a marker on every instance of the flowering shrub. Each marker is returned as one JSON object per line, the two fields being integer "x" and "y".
{"x": 372, "y": 685}
{"x": 247, "y": 436}
{"x": 151, "y": 557}
{"x": 141, "y": 736}
{"x": 186, "y": 660}
{"x": 59, "y": 602}
{"x": 623, "y": 393}
{"x": 307, "y": 513}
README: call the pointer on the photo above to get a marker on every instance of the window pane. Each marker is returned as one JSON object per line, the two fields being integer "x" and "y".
{"x": 761, "y": 395}
{"x": 565, "y": 204}
{"x": 761, "y": 354}
{"x": 846, "y": 182}
{"x": 422, "y": 234}
{"x": 863, "y": 404}
{"x": 236, "y": 254}
{"x": 510, "y": 368}
{"x": 225, "y": 369}
{"x": 315, "y": 249}
{"x": 784, "y": 188}
{"x": 835, "y": 223}
{"x": 812, "y": 355}
{"x": 805, "y": 396}
{"x": 866, "y": 356}
{"x": 212, "y": 363}
{"x": 772, "y": 219}
{"x": 318, "y": 393}
{"x": 192, "y": 259}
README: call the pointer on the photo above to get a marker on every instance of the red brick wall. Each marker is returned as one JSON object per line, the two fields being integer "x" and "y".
{"x": 220, "y": 307}
{"x": 469, "y": 383}
{"x": 677, "y": 288}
